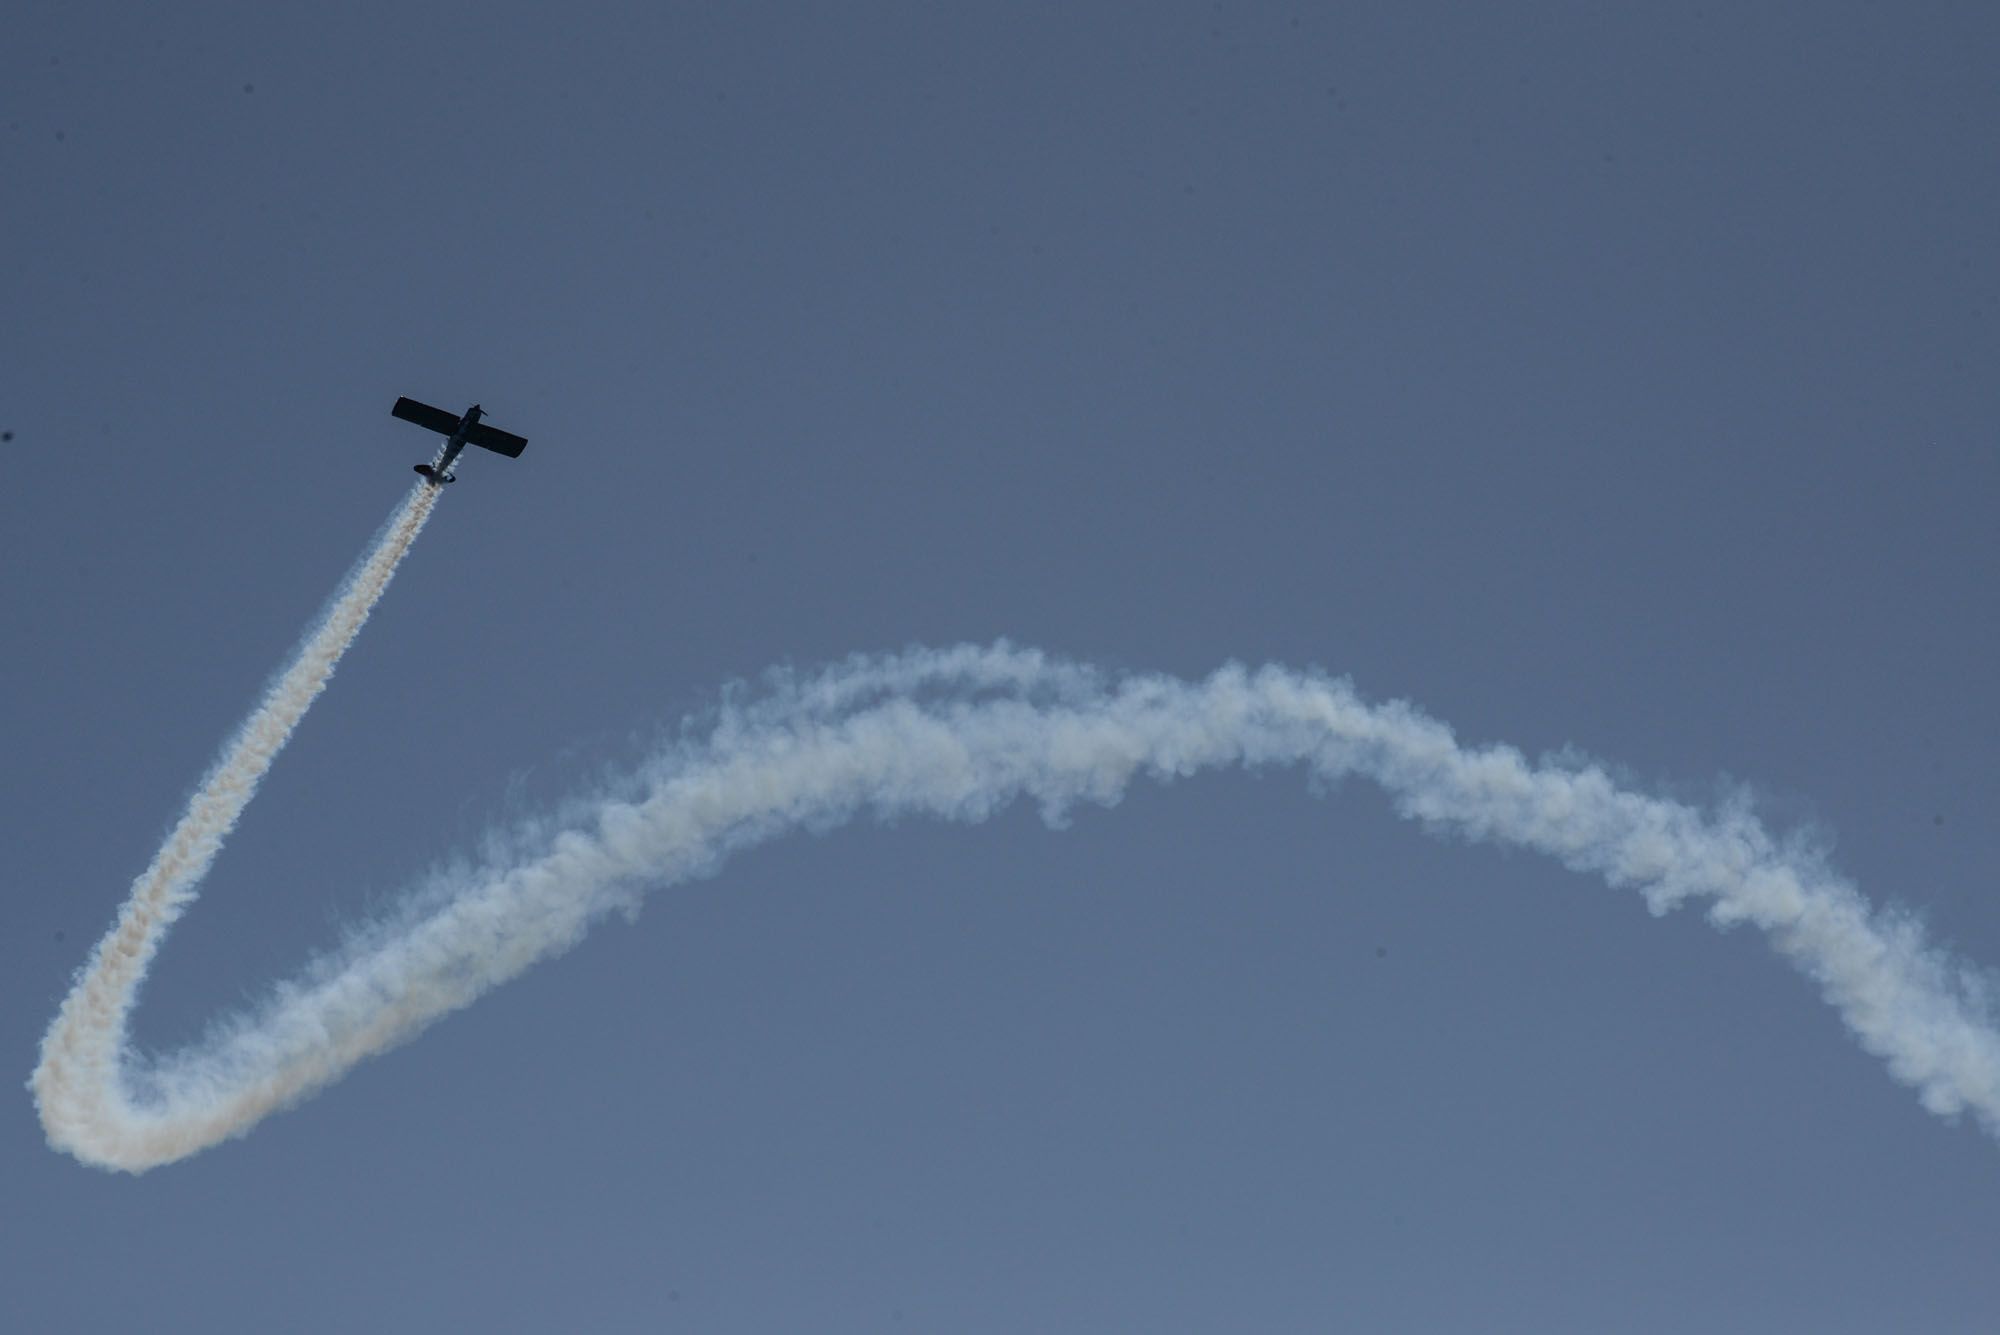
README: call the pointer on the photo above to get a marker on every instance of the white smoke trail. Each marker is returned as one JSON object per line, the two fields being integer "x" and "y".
{"x": 954, "y": 733}
{"x": 78, "y": 1084}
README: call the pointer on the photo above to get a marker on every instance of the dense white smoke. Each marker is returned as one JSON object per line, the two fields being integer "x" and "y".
{"x": 955, "y": 733}
{"x": 80, "y": 1084}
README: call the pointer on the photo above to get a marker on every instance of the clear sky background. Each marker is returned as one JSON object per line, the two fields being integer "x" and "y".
{"x": 1612, "y": 378}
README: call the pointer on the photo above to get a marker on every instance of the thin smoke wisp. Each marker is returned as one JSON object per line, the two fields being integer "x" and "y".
{"x": 952, "y": 733}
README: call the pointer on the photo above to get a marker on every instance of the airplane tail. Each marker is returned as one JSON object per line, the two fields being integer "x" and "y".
{"x": 437, "y": 479}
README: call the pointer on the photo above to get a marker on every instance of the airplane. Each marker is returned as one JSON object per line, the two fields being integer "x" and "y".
{"x": 463, "y": 431}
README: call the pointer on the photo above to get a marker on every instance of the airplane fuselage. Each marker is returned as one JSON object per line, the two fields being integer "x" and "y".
{"x": 439, "y": 469}
{"x": 465, "y": 425}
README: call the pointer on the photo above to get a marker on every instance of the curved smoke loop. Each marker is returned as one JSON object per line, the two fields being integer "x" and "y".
{"x": 954, "y": 733}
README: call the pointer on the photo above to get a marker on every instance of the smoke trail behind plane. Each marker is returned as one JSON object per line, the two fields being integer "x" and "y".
{"x": 79, "y": 1084}
{"x": 955, "y": 733}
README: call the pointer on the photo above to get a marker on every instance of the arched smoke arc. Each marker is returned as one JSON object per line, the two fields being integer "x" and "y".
{"x": 953, "y": 733}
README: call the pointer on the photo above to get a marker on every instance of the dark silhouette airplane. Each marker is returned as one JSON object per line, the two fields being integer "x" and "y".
{"x": 463, "y": 431}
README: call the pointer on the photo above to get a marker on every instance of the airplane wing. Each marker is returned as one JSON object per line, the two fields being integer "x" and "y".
{"x": 500, "y": 442}
{"x": 432, "y": 419}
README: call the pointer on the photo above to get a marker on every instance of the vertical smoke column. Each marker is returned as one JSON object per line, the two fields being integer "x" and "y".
{"x": 79, "y": 1083}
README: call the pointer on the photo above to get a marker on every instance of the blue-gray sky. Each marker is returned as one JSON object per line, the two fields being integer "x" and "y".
{"x": 1618, "y": 381}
